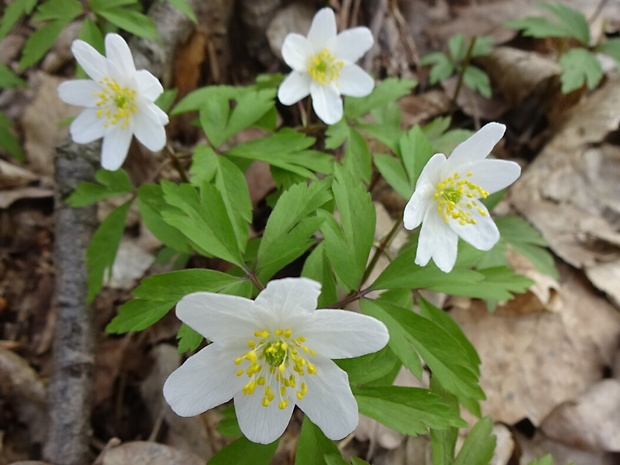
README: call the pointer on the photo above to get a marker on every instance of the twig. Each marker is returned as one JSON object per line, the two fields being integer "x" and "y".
{"x": 176, "y": 163}
{"x": 252, "y": 276}
{"x": 74, "y": 345}
{"x": 464, "y": 66}
{"x": 385, "y": 242}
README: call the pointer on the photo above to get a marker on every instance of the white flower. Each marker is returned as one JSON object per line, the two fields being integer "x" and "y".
{"x": 119, "y": 101}
{"x": 324, "y": 66}
{"x": 446, "y": 198}
{"x": 271, "y": 354}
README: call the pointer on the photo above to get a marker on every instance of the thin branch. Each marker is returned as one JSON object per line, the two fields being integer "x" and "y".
{"x": 380, "y": 250}
{"x": 464, "y": 66}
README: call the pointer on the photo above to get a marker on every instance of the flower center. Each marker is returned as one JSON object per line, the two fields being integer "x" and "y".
{"x": 116, "y": 104}
{"x": 456, "y": 198}
{"x": 324, "y": 67}
{"x": 283, "y": 358}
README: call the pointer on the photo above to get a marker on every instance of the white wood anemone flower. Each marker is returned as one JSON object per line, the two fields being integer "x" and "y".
{"x": 119, "y": 101}
{"x": 324, "y": 66}
{"x": 446, "y": 200}
{"x": 271, "y": 354}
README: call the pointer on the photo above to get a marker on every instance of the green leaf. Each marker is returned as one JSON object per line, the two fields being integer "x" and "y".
{"x": 151, "y": 203}
{"x": 336, "y": 134}
{"x": 228, "y": 425}
{"x": 131, "y": 21}
{"x": 244, "y": 452}
{"x": 290, "y": 227}
{"x": 8, "y": 140}
{"x": 415, "y": 150}
{"x": 8, "y": 79}
{"x": 528, "y": 242}
{"x": 443, "y": 443}
{"x": 357, "y": 156}
{"x": 58, "y": 9}
{"x": 202, "y": 217}
{"x": 544, "y": 460}
{"x": 317, "y": 267}
{"x": 457, "y": 47}
{"x": 197, "y": 99}
{"x": 479, "y": 445}
{"x": 189, "y": 340}
{"x": 166, "y": 99}
{"x": 207, "y": 166}
{"x": 579, "y": 67}
{"x": 184, "y": 7}
{"x": 91, "y": 34}
{"x": 101, "y": 251}
{"x": 446, "y": 357}
{"x": 385, "y": 92}
{"x": 111, "y": 183}
{"x": 384, "y": 364}
{"x": 483, "y": 46}
{"x": 157, "y": 294}
{"x": 13, "y": 11}
{"x": 394, "y": 174}
{"x": 40, "y": 42}
{"x": 98, "y": 5}
{"x": 385, "y": 133}
{"x": 538, "y": 27}
{"x": 408, "y": 410}
{"x": 313, "y": 446}
{"x": 611, "y": 48}
{"x": 348, "y": 244}
{"x": 478, "y": 81}
{"x": 574, "y": 20}
{"x": 442, "y": 67}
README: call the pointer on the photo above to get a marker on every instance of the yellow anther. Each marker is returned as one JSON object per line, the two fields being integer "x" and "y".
{"x": 311, "y": 369}
{"x": 265, "y": 402}
{"x": 251, "y": 344}
{"x": 282, "y": 391}
{"x": 260, "y": 381}
{"x": 283, "y": 403}
{"x": 240, "y": 372}
{"x": 116, "y": 104}
{"x": 450, "y": 194}
{"x": 238, "y": 361}
{"x": 279, "y": 332}
{"x": 287, "y": 333}
{"x": 261, "y": 333}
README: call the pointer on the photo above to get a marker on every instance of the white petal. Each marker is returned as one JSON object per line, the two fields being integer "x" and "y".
{"x": 329, "y": 402}
{"x": 295, "y": 87}
{"x": 431, "y": 173}
{"x": 296, "y": 51}
{"x": 483, "y": 235}
{"x": 354, "y": 81}
{"x": 477, "y": 147}
{"x": 344, "y": 334}
{"x": 94, "y": 64}
{"x": 351, "y": 44}
{"x": 323, "y": 29}
{"x": 261, "y": 424}
{"x": 148, "y": 129}
{"x": 494, "y": 175}
{"x": 219, "y": 317}
{"x": 326, "y": 102}
{"x": 148, "y": 85}
{"x": 437, "y": 241}
{"x": 80, "y": 92}
{"x": 204, "y": 381}
{"x": 420, "y": 202}
{"x": 287, "y": 299}
{"x": 115, "y": 147}
{"x": 87, "y": 127}
{"x": 118, "y": 53}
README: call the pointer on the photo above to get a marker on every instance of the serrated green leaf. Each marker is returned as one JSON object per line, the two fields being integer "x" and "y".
{"x": 189, "y": 340}
{"x": 40, "y": 42}
{"x": 8, "y": 140}
{"x": 482, "y": 47}
{"x": 574, "y": 20}
{"x": 157, "y": 294}
{"x": 313, "y": 446}
{"x": 244, "y": 452}
{"x": 166, "y": 99}
{"x": 91, "y": 34}
{"x": 131, "y": 21}
{"x": 197, "y": 99}
{"x": 184, "y": 7}
{"x": 348, "y": 244}
{"x": 539, "y": 28}
{"x": 415, "y": 150}
{"x": 317, "y": 267}
{"x": 202, "y": 217}
{"x": 111, "y": 183}
{"x": 442, "y": 67}
{"x": 457, "y": 47}
{"x": 528, "y": 242}
{"x": 151, "y": 203}
{"x": 443, "y": 354}
{"x": 8, "y": 79}
{"x": 228, "y": 425}
{"x": 478, "y": 81}
{"x": 385, "y": 92}
{"x": 101, "y": 252}
{"x": 290, "y": 226}
{"x": 443, "y": 443}
{"x": 358, "y": 461}
{"x": 544, "y": 460}
{"x": 408, "y": 410}
{"x": 58, "y": 9}
{"x": 385, "y": 133}
{"x": 384, "y": 363}
{"x": 357, "y": 158}
{"x": 206, "y": 167}
{"x": 336, "y": 134}
{"x": 579, "y": 67}
{"x": 394, "y": 173}
{"x": 98, "y": 5}
{"x": 479, "y": 444}
{"x": 14, "y": 10}
{"x": 611, "y": 48}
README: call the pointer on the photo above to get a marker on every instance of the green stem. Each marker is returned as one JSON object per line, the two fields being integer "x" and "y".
{"x": 252, "y": 276}
{"x": 464, "y": 66}
{"x": 177, "y": 164}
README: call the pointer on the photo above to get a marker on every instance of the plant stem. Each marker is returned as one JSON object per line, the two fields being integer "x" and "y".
{"x": 177, "y": 164}
{"x": 385, "y": 242}
{"x": 252, "y": 276}
{"x": 464, "y": 66}
{"x": 351, "y": 298}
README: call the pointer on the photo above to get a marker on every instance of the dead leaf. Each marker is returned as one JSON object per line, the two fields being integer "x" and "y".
{"x": 149, "y": 453}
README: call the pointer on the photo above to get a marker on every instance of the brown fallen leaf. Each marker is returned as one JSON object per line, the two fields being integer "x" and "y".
{"x": 149, "y": 453}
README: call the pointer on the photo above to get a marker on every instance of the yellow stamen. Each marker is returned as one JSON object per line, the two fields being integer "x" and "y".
{"x": 456, "y": 198}
{"x": 323, "y": 67}
{"x": 116, "y": 104}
